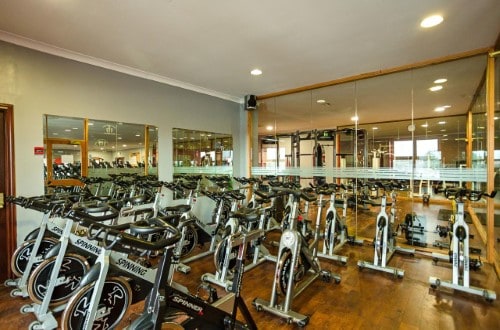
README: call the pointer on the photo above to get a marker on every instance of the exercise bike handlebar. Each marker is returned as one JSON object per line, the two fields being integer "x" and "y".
{"x": 472, "y": 195}
{"x": 83, "y": 214}
{"x": 297, "y": 193}
{"x": 113, "y": 236}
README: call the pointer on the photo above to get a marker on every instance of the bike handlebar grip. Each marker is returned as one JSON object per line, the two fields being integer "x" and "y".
{"x": 90, "y": 231}
{"x": 237, "y": 195}
{"x": 189, "y": 186}
{"x": 113, "y": 242}
{"x": 42, "y": 205}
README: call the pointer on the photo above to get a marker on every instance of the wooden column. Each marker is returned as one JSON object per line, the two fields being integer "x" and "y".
{"x": 490, "y": 138}
{"x": 468, "y": 135}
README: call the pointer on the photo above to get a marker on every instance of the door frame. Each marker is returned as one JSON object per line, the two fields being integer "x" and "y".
{"x": 9, "y": 210}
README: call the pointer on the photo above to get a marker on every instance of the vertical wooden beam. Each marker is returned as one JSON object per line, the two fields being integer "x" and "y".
{"x": 9, "y": 189}
{"x": 490, "y": 138}
{"x": 84, "y": 148}
{"x": 468, "y": 145}
{"x": 146, "y": 149}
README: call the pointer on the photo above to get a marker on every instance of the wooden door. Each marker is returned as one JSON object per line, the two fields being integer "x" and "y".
{"x": 7, "y": 187}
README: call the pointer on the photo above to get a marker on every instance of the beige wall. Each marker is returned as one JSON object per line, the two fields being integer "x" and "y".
{"x": 37, "y": 83}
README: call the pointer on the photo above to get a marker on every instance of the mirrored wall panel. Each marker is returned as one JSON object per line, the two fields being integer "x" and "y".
{"x": 202, "y": 152}
{"x": 80, "y": 147}
{"x": 404, "y": 134}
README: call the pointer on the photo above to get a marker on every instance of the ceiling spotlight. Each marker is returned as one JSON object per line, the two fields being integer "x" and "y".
{"x": 441, "y": 122}
{"x": 374, "y": 128}
{"x": 321, "y": 101}
{"x": 355, "y": 118}
{"x": 440, "y": 81}
{"x": 436, "y": 88}
{"x": 256, "y": 72}
{"x": 425, "y": 125}
{"x": 269, "y": 128}
{"x": 442, "y": 108}
{"x": 431, "y": 21}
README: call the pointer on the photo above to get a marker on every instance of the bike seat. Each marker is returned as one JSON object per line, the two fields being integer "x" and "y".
{"x": 181, "y": 208}
{"x": 102, "y": 198}
{"x": 246, "y": 214}
{"x": 136, "y": 199}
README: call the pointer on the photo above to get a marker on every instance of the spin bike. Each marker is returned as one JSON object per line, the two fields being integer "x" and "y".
{"x": 165, "y": 303}
{"x": 200, "y": 232}
{"x": 31, "y": 253}
{"x": 335, "y": 232}
{"x": 225, "y": 256}
{"x": 460, "y": 250}
{"x": 385, "y": 245}
{"x": 297, "y": 265}
{"x": 54, "y": 280}
{"x": 106, "y": 291}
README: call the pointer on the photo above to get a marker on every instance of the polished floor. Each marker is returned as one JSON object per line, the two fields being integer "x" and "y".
{"x": 364, "y": 299}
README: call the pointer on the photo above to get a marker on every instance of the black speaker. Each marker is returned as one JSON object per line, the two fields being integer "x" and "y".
{"x": 250, "y": 102}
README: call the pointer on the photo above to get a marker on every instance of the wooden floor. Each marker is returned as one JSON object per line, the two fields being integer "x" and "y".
{"x": 365, "y": 299}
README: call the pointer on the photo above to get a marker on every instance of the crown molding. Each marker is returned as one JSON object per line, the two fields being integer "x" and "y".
{"x": 75, "y": 56}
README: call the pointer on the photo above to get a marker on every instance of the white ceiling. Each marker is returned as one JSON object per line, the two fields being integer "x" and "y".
{"x": 211, "y": 46}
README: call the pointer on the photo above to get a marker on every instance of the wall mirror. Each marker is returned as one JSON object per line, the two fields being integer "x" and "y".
{"x": 202, "y": 152}
{"x": 413, "y": 121}
{"x": 76, "y": 147}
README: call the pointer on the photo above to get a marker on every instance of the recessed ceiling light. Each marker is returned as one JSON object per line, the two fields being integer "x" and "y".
{"x": 321, "y": 101}
{"x": 496, "y": 118}
{"x": 256, "y": 72}
{"x": 269, "y": 128}
{"x": 425, "y": 125}
{"x": 440, "y": 81}
{"x": 374, "y": 127}
{"x": 436, "y": 88}
{"x": 431, "y": 21}
{"x": 355, "y": 118}
{"x": 442, "y": 108}
{"x": 442, "y": 123}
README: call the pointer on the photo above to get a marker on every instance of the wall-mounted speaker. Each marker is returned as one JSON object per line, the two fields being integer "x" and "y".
{"x": 250, "y": 102}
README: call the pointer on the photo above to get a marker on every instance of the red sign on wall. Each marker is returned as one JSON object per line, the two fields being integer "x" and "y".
{"x": 38, "y": 150}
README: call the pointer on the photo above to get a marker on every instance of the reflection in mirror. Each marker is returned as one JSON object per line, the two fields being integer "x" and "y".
{"x": 480, "y": 154}
{"x": 108, "y": 148}
{"x": 116, "y": 148}
{"x": 202, "y": 152}
{"x": 413, "y": 125}
{"x": 62, "y": 144}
